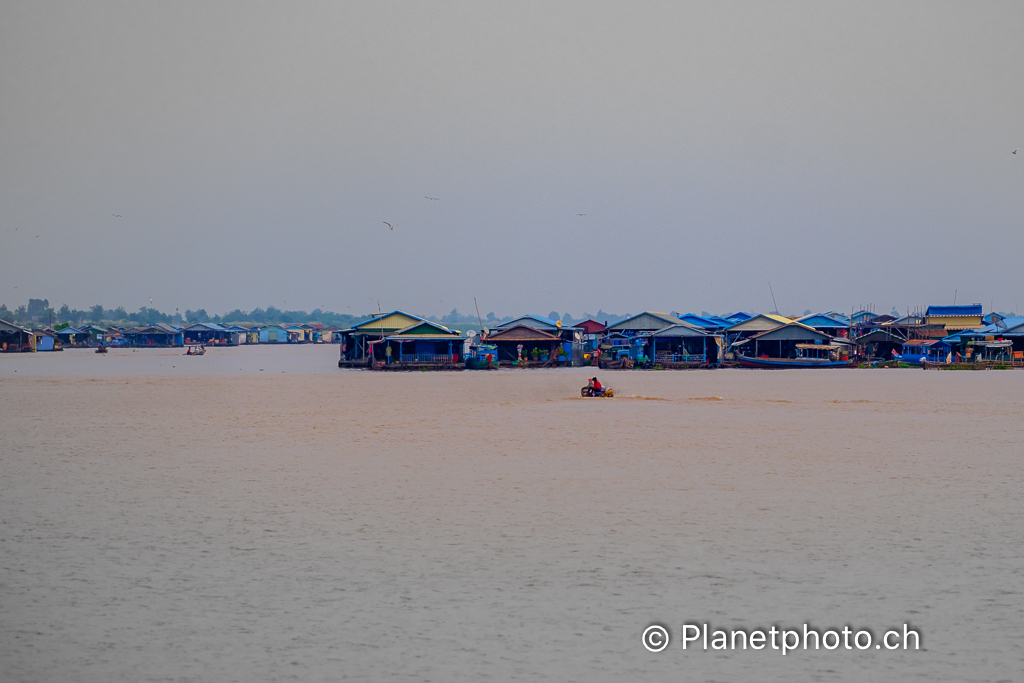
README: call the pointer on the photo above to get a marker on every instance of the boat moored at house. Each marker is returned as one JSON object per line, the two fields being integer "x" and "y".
{"x": 793, "y": 345}
{"x": 482, "y": 357}
{"x": 807, "y": 356}
{"x": 918, "y": 351}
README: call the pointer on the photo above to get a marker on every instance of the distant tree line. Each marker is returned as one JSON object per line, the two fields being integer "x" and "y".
{"x": 272, "y": 315}
{"x": 38, "y": 312}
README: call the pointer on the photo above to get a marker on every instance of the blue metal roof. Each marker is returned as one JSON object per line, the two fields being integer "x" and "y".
{"x": 862, "y": 315}
{"x": 971, "y": 309}
{"x": 1011, "y": 322}
{"x": 739, "y": 316}
{"x": 706, "y": 323}
{"x": 819, "y": 320}
{"x": 1008, "y": 326}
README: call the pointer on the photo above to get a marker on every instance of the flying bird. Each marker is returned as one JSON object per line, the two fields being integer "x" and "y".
{"x": 433, "y": 199}
{"x": 390, "y": 227}
{"x": 116, "y": 215}
{"x": 1015, "y": 151}
{"x": 581, "y": 214}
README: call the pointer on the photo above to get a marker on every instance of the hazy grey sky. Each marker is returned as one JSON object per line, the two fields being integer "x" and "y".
{"x": 848, "y": 152}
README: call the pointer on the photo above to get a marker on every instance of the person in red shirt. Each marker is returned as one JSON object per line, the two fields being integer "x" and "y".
{"x": 596, "y": 385}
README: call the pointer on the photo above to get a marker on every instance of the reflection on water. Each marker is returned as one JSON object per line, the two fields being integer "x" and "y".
{"x": 224, "y": 524}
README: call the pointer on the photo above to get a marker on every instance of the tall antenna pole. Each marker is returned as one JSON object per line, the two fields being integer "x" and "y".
{"x": 478, "y": 318}
{"x": 773, "y": 296}
{"x": 954, "y": 295}
{"x": 380, "y": 318}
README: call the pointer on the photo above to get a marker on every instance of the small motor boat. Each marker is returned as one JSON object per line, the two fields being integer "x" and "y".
{"x": 101, "y": 349}
{"x": 589, "y": 391}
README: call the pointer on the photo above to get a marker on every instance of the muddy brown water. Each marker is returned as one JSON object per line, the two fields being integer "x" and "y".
{"x": 195, "y": 519}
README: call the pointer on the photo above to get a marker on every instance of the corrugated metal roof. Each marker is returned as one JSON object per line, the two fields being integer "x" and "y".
{"x": 762, "y": 322}
{"x": 923, "y": 342}
{"x": 427, "y": 329}
{"x": 674, "y": 331}
{"x": 538, "y": 322}
{"x": 969, "y": 310}
{"x": 156, "y": 328}
{"x": 930, "y": 332}
{"x": 648, "y": 321}
{"x": 10, "y": 327}
{"x": 591, "y": 326}
{"x": 792, "y": 330}
{"x": 880, "y": 336}
{"x": 389, "y": 322}
{"x": 908, "y": 320}
{"x": 705, "y": 323}
{"x": 1009, "y": 326}
{"x": 521, "y": 333}
{"x": 1009, "y": 323}
{"x": 820, "y": 320}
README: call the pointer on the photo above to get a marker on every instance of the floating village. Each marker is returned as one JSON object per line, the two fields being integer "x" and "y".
{"x": 939, "y": 337}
